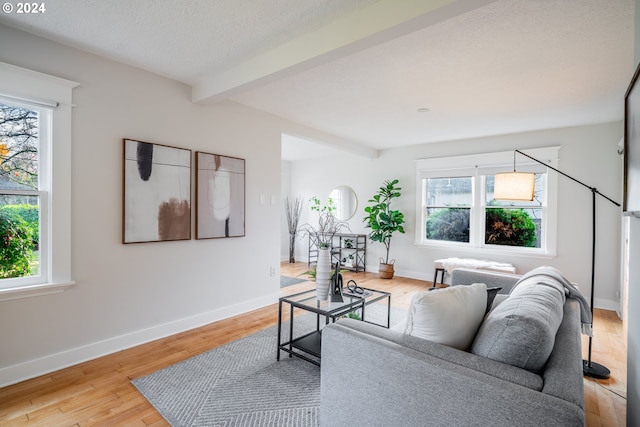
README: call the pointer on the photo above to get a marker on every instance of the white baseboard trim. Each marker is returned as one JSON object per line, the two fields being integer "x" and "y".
{"x": 606, "y": 304}
{"x": 409, "y": 274}
{"x": 416, "y": 275}
{"x": 53, "y": 362}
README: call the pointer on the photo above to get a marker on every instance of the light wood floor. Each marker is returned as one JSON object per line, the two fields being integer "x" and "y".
{"x": 99, "y": 392}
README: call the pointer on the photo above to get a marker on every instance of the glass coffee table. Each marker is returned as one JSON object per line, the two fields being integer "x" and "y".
{"x": 310, "y": 344}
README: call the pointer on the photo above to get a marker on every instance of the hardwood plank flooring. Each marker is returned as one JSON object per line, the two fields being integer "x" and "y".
{"x": 99, "y": 392}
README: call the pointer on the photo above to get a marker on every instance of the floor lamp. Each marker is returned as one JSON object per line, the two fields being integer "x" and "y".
{"x": 520, "y": 186}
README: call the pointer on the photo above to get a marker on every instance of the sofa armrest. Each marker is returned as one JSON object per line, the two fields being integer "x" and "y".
{"x": 369, "y": 380}
{"x": 563, "y": 371}
{"x": 468, "y": 276}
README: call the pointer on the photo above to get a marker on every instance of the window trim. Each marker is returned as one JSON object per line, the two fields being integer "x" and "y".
{"x": 29, "y": 87}
{"x": 544, "y": 223}
{"x": 477, "y": 165}
{"x": 42, "y": 192}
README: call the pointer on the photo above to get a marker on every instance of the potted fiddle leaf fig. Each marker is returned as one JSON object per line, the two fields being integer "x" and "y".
{"x": 384, "y": 221}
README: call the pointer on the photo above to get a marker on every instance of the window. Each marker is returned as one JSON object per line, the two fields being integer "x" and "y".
{"x": 35, "y": 122}
{"x": 24, "y": 192}
{"x": 514, "y": 223}
{"x": 448, "y": 208}
{"x": 456, "y": 207}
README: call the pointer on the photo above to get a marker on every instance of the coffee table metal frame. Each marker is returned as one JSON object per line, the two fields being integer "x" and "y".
{"x": 310, "y": 343}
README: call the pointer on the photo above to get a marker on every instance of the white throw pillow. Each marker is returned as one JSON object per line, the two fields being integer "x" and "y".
{"x": 449, "y": 316}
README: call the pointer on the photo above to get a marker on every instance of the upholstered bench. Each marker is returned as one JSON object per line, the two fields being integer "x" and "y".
{"x": 449, "y": 264}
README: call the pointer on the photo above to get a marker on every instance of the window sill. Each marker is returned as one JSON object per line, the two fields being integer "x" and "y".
{"x": 34, "y": 290}
{"x": 484, "y": 251}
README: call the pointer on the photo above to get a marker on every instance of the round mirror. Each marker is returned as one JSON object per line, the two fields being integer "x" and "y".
{"x": 345, "y": 201}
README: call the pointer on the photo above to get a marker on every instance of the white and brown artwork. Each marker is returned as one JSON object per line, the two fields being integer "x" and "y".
{"x": 157, "y": 192}
{"x": 220, "y": 199}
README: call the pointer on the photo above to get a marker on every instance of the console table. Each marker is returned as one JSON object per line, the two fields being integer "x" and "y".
{"x": 349, "y": 249}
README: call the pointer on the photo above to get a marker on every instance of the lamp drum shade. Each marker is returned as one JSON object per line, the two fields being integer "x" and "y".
{"x": 517, "y": 186}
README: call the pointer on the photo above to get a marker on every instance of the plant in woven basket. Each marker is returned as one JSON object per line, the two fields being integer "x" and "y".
{"x": 384, "y": 221}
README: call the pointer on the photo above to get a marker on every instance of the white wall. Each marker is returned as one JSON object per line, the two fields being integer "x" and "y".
{"x": 633, "y": 301}
{"x": 588, "y": 153}
{"x": 285, "y": 186}
{"x": 128, "y": 294}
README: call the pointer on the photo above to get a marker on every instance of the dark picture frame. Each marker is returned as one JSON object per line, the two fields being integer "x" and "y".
{"x": 156, "y": 192}
{"x": 220, "y": 196}
{"x": 631, "y": 186}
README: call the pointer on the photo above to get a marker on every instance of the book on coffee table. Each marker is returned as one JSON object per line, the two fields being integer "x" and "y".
{"x": 364, "y": 294}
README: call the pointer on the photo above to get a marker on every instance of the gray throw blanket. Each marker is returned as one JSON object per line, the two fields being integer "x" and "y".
{"x": 571, "y": 291}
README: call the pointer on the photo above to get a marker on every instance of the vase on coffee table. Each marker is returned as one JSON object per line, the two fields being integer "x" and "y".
{"x": 323, "y": 274}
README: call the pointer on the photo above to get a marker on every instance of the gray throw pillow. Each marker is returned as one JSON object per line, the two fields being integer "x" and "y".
{"x": 521, "y": 330}
{"x": 491, "y": 295}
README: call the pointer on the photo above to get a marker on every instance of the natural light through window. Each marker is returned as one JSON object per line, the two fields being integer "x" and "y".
{"x": 456, "y": 208}
{"x": 35, "y": 122}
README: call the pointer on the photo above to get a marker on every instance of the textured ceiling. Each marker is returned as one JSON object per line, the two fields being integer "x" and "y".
{"x": 359, "y": 69}
{"x": 180, "y": 39}
{"x": 511, "y": 66}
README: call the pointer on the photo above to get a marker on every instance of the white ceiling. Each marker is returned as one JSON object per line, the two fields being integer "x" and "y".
{"x": 358, "y": 70}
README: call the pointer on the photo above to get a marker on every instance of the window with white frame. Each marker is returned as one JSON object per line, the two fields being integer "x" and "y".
{"x": 24, "y": 192}
{"x": 35, "y": 184}
{"x": 456, "y": 208}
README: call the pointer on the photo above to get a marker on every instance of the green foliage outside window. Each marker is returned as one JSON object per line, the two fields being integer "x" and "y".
{"x": 449, "y": 224}
{"x": 16, "y": 243}
{"x": 30, "y": 214}
{"x": 511, "y": 227}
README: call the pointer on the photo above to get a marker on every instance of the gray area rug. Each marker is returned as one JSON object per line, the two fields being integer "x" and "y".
{"x": 242, "y": 384}
{"x": 288, "y": 281}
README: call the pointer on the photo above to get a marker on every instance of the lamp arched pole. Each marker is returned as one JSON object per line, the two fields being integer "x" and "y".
{"x": 589, "y": 368}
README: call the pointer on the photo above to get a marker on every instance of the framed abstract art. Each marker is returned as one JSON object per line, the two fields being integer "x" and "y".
{"x": 220, "y": 196}
{"x": 631, "y": 186}
{"x": 156, "y": 192}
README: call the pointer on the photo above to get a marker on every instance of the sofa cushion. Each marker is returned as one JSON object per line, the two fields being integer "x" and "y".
{"x": 448, "y": 316}
{"x": 521, "y": 330}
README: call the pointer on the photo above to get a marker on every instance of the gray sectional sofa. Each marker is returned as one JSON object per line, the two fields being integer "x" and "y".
{"x": 372, "y": 376}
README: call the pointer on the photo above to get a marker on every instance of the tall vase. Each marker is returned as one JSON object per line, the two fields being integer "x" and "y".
{"x": 323, "y": 274}
{"x": 292, "y": 248}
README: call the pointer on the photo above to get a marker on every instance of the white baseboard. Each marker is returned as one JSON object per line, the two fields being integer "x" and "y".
{"x": 606, "y": 304}
{"x": 416, "y": 275}
{"x": 53, "y": 362}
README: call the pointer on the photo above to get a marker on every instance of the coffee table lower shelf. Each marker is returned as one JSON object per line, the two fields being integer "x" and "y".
{"x": 310, "y": 343}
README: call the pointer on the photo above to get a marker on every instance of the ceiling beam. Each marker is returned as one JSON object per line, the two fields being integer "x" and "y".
{"x": 378, "y": 23}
